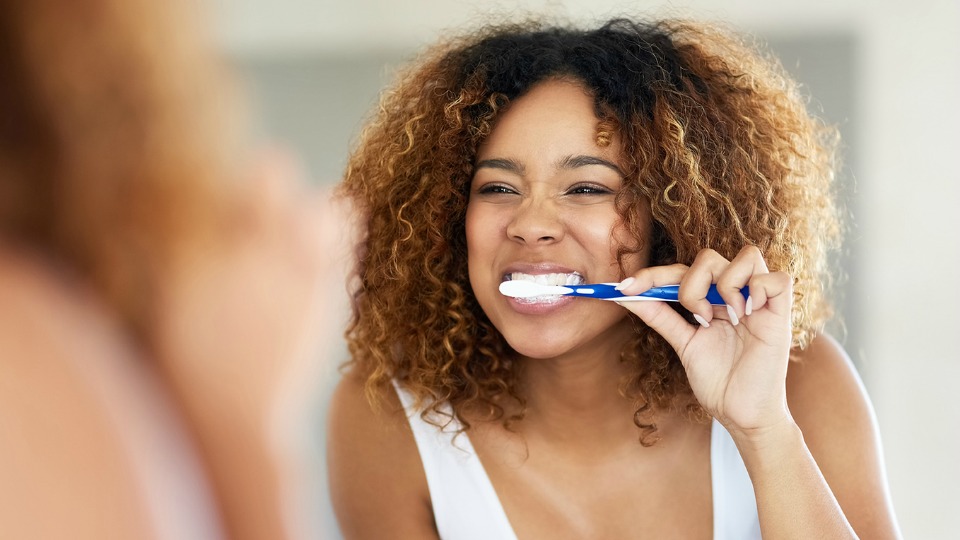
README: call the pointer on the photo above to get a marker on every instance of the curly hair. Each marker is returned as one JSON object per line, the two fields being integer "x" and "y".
{"x": 717, "y": 141}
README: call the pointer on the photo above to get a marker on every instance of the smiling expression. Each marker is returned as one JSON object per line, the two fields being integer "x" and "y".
{"x": 542, "y": 207}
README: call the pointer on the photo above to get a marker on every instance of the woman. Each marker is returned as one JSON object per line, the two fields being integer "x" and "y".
{"x": 644, "y": 154}
{"x": 160, "y": 293}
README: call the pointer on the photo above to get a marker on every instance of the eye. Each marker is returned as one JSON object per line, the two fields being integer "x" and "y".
{"x": 495, "y": 189}
{"x": 589, "y": 189}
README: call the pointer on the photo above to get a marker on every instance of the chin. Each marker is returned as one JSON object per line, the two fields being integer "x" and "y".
{"x": 538, "y": 347}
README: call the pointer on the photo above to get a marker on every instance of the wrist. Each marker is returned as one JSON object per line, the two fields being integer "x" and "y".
{"x": 770, "y": 443}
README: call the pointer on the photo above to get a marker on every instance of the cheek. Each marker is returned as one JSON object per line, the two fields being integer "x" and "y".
{"x": 481, "y": 234}
{"x": 472, "y": 229}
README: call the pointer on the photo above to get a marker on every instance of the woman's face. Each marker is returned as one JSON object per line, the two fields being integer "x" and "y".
{"x": 542, "y": 208}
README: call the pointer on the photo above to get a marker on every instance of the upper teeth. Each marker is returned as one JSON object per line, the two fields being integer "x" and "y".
{"x": 548, "y": 279}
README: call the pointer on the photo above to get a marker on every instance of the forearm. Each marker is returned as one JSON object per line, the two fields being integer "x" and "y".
{"x": 793, "y": 498}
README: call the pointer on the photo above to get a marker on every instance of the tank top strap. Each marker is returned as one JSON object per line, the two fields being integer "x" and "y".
{"x": 734, "y": 502}
{"x": 465, "y": 505}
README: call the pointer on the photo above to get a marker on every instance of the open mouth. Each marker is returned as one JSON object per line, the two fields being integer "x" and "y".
{"x": 561, "y": 279}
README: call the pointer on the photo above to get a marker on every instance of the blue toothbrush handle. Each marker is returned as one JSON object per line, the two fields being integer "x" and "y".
{"x": 669, "y": 293}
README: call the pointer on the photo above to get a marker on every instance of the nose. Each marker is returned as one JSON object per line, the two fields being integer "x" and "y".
{"x": 536, "y": 222}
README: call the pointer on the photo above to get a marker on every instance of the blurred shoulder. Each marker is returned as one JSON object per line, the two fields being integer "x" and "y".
{"x": 84, "y": 426}
{"x": 48, "y": 312}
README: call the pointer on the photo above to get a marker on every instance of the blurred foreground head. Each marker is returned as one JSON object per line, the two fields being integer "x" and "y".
{"x": 114, "y": 139}
{"x": 125, "y": 186}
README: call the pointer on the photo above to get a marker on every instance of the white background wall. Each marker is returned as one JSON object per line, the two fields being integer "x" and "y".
{"x": 907, "y": 109}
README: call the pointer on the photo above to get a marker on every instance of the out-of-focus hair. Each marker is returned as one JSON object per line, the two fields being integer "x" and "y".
{"x": 112, "y": 139}
{"x": 716, "y": 139}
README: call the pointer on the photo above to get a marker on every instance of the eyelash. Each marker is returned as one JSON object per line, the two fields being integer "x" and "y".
{"x": 497, "y": 189}
{"x": 580, "y": 189}
{"x": 588, "y": 189}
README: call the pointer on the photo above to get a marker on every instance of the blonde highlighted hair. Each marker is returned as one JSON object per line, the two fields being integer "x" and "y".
{"x": 717, "y": 140}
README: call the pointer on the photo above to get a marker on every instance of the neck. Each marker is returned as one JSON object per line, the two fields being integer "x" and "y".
{"x": 579, "y": 393}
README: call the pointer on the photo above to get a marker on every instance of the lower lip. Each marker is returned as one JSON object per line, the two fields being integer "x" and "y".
{"x": 526, "y": 307}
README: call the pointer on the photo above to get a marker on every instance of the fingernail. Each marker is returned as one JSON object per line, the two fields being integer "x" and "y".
{"x": 734, "y": 320}
{"x": 624, "y": 284}
{"x": 703, "y": 322}
{"x": 749, "y": 308}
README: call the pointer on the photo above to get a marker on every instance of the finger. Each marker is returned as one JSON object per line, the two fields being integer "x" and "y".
{"x": 650, "y": 277}
{"x": 772, "y": 291}
{"x": 658, "y": 315}
{"x": 664, "y": 320}
{"x": 334, "y": 231}
{"x": 269, "y": 184}
{"x": 695, "y": 285}
{"x": 748, "y": 263}
{"x": 275, "y": 178}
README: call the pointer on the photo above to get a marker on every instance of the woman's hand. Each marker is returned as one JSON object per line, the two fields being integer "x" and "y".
{"x": 736, "y": 357}
{"x": 249, "y": 318}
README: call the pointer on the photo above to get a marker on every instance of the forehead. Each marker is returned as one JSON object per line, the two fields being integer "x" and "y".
{"x": 554, "y": 116}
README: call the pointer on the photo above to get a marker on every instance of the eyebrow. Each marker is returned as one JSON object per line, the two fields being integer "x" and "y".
{"x": 508, "y": 165}
{"x": 569, "y": 162}
{"x": 574, "y": 162}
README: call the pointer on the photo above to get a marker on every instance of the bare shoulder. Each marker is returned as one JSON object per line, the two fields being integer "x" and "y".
{"x": 824, "y": 388}
{"x": 830, "y": 404}
{"x": 377, "y": 484}
{"x": 81, "y": 429}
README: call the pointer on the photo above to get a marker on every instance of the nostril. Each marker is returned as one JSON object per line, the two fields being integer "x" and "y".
{"x": 535, "y": 224}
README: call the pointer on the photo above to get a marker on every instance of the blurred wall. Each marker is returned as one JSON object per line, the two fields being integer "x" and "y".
{"x": 887, "y": 73}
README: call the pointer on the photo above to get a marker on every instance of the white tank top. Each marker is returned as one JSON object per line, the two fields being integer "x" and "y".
{"x": 466, "y": 507}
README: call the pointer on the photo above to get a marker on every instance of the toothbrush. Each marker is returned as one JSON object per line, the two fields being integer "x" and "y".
{"x": 603, "y": 291}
